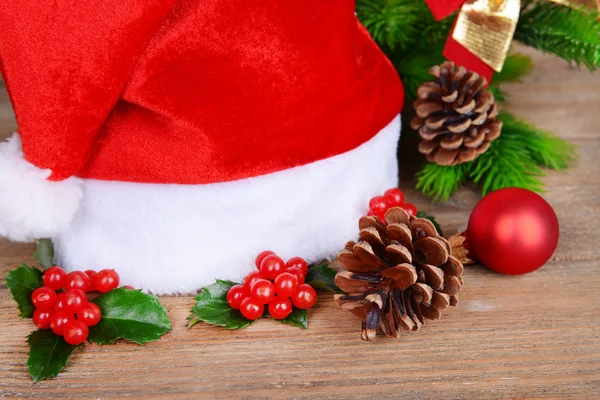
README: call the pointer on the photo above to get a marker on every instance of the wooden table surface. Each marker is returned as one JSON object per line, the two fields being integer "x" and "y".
{"x": 536, "y": 335}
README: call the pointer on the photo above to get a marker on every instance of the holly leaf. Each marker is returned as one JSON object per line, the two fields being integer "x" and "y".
{"x": 131, "y": 315}
{"x": 212, "y": 308}
{"x": 22, "y": 282}
{"x": 423, "y": 214}
{"x": 322, "y": 277}
{"x": 298, "y": 318}
{"x": 48, "y": 354}
{"x": 45, "y": 253}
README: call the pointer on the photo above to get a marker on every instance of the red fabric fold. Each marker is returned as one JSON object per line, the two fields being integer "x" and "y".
{"x": 192, "y": 91}
{"x": 65, "y": 64}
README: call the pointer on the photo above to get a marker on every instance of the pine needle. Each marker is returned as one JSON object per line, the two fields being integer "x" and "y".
{"x": 390, "y": 22}
{"x": 572, "y": 34}
{"x": 441, "y": 182}
{"x": 403, "y": 24}
{"x": 545, "y": 149}
{"x": 506, "y": 164}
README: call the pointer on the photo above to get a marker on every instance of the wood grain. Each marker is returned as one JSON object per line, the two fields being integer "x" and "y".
{"x": 536, "y": 335}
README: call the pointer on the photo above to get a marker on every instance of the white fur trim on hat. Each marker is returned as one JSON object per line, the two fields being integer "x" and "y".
{"x": 170, "y": 239}
{"x": 32, "y": 207}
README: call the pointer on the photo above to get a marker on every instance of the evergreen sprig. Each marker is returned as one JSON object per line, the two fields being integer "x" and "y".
{"x": 507, "y": 163}
{"x": 570, "y": 33}
{"x": 441, "y": 182}
{"x": 390, "y": 22}
{"x": 545, "y": 149}
{"x": 404, "y": 24}
{"x": 413, "y": 40}
{"x": 515, "y": 159}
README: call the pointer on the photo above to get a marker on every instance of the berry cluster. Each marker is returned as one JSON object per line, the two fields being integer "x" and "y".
{"x": 394, "y": 197}
{"x": 276, "y": 283}
{"x": 62, "y": 304}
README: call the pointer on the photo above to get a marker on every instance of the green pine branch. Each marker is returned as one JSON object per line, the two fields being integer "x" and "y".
{"x": 570, "y": 33}
{"x": 414, "y": 67}
{"x": 506, "y": 164}
{"x": 515, "y": 159}
{"x": 390, "y": 22}
{"x": 545, "y": 149}
{"x": 404, "y": 24}
{"x": 441, "y": 182}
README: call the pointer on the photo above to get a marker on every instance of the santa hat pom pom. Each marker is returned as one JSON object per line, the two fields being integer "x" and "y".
{"x": 32, "y": 207}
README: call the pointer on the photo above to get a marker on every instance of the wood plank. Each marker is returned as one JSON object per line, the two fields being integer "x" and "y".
{"x": 530, "y": 336}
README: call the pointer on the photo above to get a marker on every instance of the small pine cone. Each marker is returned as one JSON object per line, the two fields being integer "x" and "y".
{"x": 456, "y": 116}
{"x": 398, "y": 274}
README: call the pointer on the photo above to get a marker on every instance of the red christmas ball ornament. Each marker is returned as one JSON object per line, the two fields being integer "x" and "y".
{"x": 512, "y": 231}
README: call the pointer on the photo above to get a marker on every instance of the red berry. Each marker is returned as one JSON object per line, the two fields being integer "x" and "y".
{"x": 271, "y": 266}
{"x": 298, "y": 272}
{"x": 59, "y": 320}
{"x": 60, "y": 302}
{"x": 378, "y": 205}
{"x": 262, "y": 291}
{"x": 286, "y": 284}
{"x": 393, "y": 197}
{"x": 297, "y": 262}
{"x": 235, "y": 295}
{"x": 410, "y": 208}
{"x": 41, "y": 319}
{"x": 106, "y": 280}
{"x": 75, "y": 301}
{"x": 75, "y": 332}
{"x": 305, "y": 297}
{"x": 251, "y": 309}
{"x": 381, "y": 217}
{"x": 280, "y": 307}
{"x": 129, "y": 287}
{"x": 43, "y": 298}
{"x": 251, "y": 278}
{"x": 90, "y": 315}
{"x": 92, "y": 275}
{"x": 78, "y": 280}
{"x": 55, "y": 278}
{"x": 261, "y": 256}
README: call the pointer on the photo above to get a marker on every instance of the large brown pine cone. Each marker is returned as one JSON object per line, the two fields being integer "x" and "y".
{"x": 397, "y": 275}
{"x": 456, "y": 116}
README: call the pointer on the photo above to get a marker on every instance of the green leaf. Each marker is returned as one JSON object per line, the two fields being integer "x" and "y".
{"x": 22, "y": 282}
{"x": 212, "y": 307}
{"x": 423, "y": 214}
{"x": 131, "y": 315}
{"x": 45, "y": 253}
{"x": 48, "y": 354}
{"x": 322, "y": 277}
{"x": 298, "y": 318}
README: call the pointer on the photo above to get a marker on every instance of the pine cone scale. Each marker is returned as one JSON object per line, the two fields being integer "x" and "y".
{"x": 397, "y": 275}
{"x": 456, "y": 116}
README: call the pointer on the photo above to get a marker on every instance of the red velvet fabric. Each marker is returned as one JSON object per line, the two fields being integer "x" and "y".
{"x": 191, "y": 91}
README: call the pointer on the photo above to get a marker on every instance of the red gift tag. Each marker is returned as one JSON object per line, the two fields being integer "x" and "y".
{"x": 443, "y": 8}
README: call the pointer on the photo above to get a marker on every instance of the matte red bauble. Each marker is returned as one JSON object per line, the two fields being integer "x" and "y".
{"x": 512, "y": 231}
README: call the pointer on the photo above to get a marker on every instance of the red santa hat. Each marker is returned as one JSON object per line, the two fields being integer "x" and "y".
{"x": 174, "y": 140}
